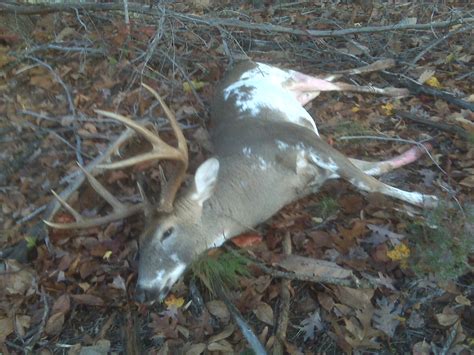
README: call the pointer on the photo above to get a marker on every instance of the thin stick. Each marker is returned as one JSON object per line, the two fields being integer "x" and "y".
{"x": 137, "y": 8}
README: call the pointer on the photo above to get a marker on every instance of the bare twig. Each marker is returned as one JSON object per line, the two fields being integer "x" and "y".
{"x": 138, "y": 8}
{"x": 438, "y": 125}
{"x": 438, "y": 41}
{"x": 72, "y": 109}
{"x": 282, "y": 324}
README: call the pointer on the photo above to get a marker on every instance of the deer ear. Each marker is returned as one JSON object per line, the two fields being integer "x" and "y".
{"x": 205, "y": 180}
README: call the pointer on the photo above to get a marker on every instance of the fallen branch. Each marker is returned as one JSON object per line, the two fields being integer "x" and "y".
{"x": 282, "y": 324}
{"x": 438, "y": 125}
{"x": 416, "y": 88}
{"x": 9, "y": 8}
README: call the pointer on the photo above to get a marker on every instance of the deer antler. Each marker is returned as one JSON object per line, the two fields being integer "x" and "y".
{"x": 160, "y": 151}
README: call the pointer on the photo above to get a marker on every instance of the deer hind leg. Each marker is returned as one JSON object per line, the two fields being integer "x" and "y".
{"x": 340, "y": 166}
{"x": 306, "y": 87}
{"x": 382, "y": 167}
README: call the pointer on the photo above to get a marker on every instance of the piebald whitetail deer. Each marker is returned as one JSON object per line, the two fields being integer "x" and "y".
{"x": 267, "y": 153}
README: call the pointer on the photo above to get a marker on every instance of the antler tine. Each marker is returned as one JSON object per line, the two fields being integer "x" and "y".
{"x": 160, "y": 150}
{"x": 120, "y": 210}
{"x": 182, "y": 146}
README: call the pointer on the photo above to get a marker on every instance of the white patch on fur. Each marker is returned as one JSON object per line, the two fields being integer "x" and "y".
{"x": 157, "y": 280}
{"x": 175, "y": 258}
{"x": 360, "y": 185}
{"x": 301, "y": 161}
{"x": 374, "y": 171}
{"x": 261, "y": 88}
{"x": 328, "y": 163}
{"x": 218, "y": 240}
{"x": 262, "y": 163}
{"x": 282, "y": 145}
{"x": 174, "y": 275}
{"x": 247, "y": 151}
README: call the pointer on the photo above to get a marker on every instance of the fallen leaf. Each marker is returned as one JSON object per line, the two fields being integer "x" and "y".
{"x": 89, "y": 300}
{"x": 415, "y": 320}
{"x": 463, "y": 300}
{"x": 433, "y": 82}
{"x": 446, "y": 320}
{"x": 6, "y": 328}
{"x": 62, "y": 304}
{"x": 426, "y": 75}
{"x": 218, "y": 309}
{"x": 247, "y": 240}
{"x": 54, "y": 325}
{"x": 173, "y": 303}
{"x": 313, "y": 268}
{"x": 400, "y": 252}
{"x": 421, "y": 348}
{"x": 310, "y": 323}
{"x": 196, "y": 349}
{"x": 227, "y": 332}
{"x": 387, "y": 316}
{"x": 197, "y": 85}
{"x": 264, "y": 313}
{"x": 17, "y": 279}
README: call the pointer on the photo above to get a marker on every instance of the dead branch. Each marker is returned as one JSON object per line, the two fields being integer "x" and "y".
{"x": 8, "y": 7}
{"x": 462, "y": 133}
{"x": 282, "y": 324}
{"x": 416, "y": 88}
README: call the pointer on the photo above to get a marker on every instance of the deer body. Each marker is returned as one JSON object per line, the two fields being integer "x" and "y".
{"x": 267, "y": 153}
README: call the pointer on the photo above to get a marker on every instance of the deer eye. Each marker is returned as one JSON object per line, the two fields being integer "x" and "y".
{"x": 167, "y": 233}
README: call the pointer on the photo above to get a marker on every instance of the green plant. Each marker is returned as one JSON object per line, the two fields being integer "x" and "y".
{"x": 325, "y": 208}
{"x": 443, "y": 243}
{"x": 223, "y": 269}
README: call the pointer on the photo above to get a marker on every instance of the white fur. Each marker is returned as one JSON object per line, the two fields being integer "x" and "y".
{"x": 205, "y": 180}
{"x": 262, "y": 88}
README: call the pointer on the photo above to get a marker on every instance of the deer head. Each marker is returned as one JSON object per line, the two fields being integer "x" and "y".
{"x": 166, "y": 245}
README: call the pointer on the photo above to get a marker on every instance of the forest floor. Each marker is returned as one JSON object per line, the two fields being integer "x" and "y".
{"x": 338, "y": 271}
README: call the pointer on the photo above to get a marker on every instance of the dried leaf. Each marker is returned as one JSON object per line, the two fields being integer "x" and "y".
{"x": 309, "y": 324}
{"x": 264, "y": 313}
{"x": 313, "y": 268}
{"x": 387, "y": 316}
{"x": 218, "y": 309}
{"x": 381, "y": 234}
{"x": 400, "y": 252}
{"x": 415, "y": 321}
{"x": 89, "y": 300}
{"x": 247, "y": 240}
{"x": 421, "y": 348}
{"x": 426, "y": 75}
{"x": 62, "y": 304}
{"x": 222, "y": 346}
{"x": 354, "y": 298}
{"x": 17, "y": 279}
{"x": 173, "y": 304}
{"x": 446, "y": 320}
{"x": 227, "y": 332}
{"x": 54, "y": 325}
{"x": 6, "y": 328}
{"x": 196, "y": 349}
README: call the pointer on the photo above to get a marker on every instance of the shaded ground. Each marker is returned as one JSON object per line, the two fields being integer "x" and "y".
{"x": 63, "y": 291}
